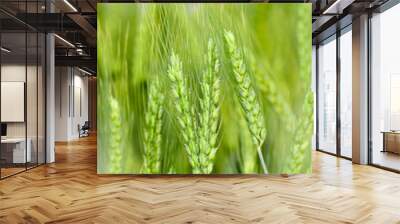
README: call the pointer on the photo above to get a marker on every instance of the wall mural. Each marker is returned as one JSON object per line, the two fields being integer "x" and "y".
{"x": 204, "y": 88}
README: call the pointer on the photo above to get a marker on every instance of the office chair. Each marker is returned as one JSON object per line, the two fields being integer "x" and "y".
{"x": 84, "y": 130}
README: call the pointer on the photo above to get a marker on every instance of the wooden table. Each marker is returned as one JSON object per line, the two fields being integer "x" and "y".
{"x": 391, "y": 141}
{"x": 13, "y": 150}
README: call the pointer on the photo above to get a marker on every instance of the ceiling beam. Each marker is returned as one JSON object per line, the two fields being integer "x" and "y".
{"x": 83, "y": 61}
{"x": 49, "y": 22}
{"x": 88, "y": 29}
{"x": 337, "y": 7}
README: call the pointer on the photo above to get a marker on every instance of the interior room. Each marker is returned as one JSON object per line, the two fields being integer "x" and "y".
{"x": 198, "y": 112}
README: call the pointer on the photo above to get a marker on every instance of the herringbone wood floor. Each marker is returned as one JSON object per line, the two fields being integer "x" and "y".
{"x": 70, "y": 191}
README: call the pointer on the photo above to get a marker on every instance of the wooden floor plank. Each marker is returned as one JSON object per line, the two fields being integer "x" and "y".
{"x": 70, "y": 191}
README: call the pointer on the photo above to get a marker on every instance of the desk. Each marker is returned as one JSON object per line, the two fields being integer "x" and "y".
{"x": 391, "y": 141}
{"x": 16, "y": 148}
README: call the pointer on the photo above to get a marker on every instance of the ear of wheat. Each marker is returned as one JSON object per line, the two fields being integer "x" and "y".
{"x": 209, "y": 105}
{"x": 185, "y": 112}
{"x": 115, "y": 141}
{"x": 303, "y": 133}
{"x": 153, "y": 125}
{"x": 247, "y": 96}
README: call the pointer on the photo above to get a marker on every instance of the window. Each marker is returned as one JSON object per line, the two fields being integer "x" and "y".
{"x": 327, "y": 96}
{"x": 385, "y": 89}
{"x": 346, "y": 93}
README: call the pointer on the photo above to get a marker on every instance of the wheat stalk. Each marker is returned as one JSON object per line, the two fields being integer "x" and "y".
{"x": 115, "y": 135}
{"x": 247, "y": 96}
{"x": 209, "y": 104}
{"x": 247, "y": 154}
{"x": 185, "y": 112}
{"x": 152, "y": 134}
{"x": 302, "y": 135}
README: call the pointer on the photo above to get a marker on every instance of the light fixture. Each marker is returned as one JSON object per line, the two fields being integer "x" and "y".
{"x": 5, "y": 50}
{"x": 70, "y": 5}
{"x": 80, "y": 51}
{"x": 329, "y": 9}
{"x": 84, "y": 71}
{"x": 65, "y": 41}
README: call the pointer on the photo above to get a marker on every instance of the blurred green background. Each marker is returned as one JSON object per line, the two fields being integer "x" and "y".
{"x": 135, "y": 42}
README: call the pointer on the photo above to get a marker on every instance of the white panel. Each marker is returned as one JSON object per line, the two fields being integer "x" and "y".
{"x": 77, "y": 112}
{"x": 394, "y": 102}
{"x": 12, "y": 101}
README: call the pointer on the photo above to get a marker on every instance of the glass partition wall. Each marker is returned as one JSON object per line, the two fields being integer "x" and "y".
{"x": 385, "y": 89}
{"x": 22, "y": 78}
{"x": 13, "y": 89}
{"x": 334, "y": 93}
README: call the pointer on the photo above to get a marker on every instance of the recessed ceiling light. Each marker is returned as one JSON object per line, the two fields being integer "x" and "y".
{"x": 337, "y": 7}
{"x": 84, "y": 71}
{"x": 65, "y": 41}
{"x": 70, "y": 5}
{"x": 5, "y": 50}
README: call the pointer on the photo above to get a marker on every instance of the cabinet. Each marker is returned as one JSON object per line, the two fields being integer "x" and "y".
{"x": 391, "y": 142}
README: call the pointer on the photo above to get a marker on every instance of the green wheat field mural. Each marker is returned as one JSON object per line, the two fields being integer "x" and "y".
{"x": 196, "y": 88}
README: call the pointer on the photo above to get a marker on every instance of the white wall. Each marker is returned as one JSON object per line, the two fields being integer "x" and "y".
{"x": 71, "y": 102}
{"x": 62, "y": 82}
{"x": 80, "y": 102}
{"x": 12, "y": 73}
